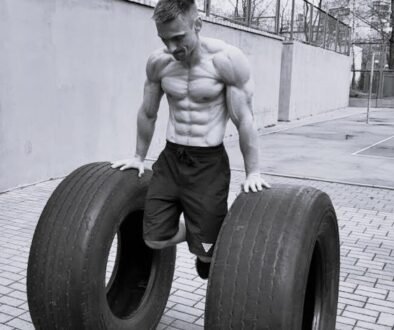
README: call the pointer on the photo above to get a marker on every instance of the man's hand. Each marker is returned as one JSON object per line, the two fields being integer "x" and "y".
{"x": 255, "y": 183}
{"x": 126, "y": 164}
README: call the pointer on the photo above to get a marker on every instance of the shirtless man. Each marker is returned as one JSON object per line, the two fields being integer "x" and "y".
{"x": 206, "y": 82}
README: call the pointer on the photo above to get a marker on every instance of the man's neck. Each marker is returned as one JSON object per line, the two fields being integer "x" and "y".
{"x": 195, "y": 56}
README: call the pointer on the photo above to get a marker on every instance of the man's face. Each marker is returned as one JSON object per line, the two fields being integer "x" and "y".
{"x": 179, "y": 35}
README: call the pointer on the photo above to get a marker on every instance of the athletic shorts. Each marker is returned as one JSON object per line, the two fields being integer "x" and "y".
{"x": 192, "y": 180}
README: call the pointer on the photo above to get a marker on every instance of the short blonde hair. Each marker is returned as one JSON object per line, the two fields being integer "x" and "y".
{"x": 167, "y": 10}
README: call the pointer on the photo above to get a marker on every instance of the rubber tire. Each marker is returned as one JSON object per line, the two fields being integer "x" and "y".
{"x": 67, "y": 264}
{"x": 276, "y": 263}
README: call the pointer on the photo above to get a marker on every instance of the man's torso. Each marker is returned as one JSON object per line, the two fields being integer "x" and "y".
{"x": 196, "y": 96}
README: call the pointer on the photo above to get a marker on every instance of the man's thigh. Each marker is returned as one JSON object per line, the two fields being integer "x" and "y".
{"x": 204, "y": 215}
{"x": 162, "y": 206}
{"x": 161, "y": 218}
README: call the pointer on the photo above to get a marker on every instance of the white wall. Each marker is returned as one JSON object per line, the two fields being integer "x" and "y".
{"x": 71, "y": 81}
{"x": 314, "y": 80}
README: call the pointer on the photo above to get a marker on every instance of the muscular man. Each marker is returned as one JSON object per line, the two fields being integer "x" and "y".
{"x": 206, "y": 82}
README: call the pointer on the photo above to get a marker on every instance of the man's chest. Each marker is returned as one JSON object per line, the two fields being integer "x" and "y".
{"x": 201, "y": 83}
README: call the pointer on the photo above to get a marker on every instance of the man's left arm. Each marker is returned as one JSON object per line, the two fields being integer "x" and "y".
{"x": 235, "y": 71}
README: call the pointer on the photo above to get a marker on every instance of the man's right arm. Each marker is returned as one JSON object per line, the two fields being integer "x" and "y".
{"x": 147, "y": 116}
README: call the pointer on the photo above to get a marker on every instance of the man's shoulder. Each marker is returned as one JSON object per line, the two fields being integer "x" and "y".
{"x": 157, "y": 61}
{"x": 231, "y": 63}
{"x": 219, "y": 47}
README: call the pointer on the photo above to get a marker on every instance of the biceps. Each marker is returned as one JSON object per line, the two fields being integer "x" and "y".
{"x": 152, "y": 98}
{"x": 239, "y": 104}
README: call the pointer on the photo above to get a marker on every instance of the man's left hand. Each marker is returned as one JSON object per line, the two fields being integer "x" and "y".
{"x": 255, "y": 183}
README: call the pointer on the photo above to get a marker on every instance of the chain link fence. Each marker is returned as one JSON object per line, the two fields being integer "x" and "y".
{"x": 371, "y": 59}
{"x": 293, "y": 19}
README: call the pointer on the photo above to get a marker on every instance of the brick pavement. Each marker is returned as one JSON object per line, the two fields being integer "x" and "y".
{"x": 366, "y": 220}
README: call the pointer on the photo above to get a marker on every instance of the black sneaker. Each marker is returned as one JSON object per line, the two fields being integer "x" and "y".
{"x": 203, "y": 268}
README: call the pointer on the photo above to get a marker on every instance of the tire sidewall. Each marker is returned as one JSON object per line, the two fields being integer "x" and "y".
{"x": 113, "y": 208}
{"x": 320, "y": 228}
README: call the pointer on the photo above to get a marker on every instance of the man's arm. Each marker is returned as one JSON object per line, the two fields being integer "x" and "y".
{"x": 234, "y": 69}
{"x": 147, "y": 115}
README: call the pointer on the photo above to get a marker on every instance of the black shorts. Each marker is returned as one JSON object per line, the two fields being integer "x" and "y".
{"x": 192, "y": 180}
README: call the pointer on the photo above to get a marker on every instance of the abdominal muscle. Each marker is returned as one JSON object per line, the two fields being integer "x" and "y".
{"x": 198, "y": 124}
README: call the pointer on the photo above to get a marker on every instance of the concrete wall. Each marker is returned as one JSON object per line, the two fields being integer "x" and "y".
{"x": 71, "y": 81}
{"x": 313, "y": 81}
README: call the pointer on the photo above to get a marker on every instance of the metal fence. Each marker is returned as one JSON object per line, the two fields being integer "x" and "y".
{"x": 371, "y": 58}
{"x": 293, "y": 19}
{"x": 382, "y": 89}
{"x": 310, "y": 24}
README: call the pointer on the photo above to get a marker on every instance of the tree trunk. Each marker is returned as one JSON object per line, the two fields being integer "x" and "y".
{"x": 391, "y": 42}
{"x": 236, "y": 13}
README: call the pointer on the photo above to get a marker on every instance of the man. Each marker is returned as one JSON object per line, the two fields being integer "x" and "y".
{"x": 206, "y": 82}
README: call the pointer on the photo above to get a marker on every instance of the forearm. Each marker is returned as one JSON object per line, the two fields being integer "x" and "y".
{"x": 145, "y": 130}
{"x": 248, "y": 142}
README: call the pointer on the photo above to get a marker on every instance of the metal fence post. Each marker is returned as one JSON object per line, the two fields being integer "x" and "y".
{"x": 249, "y": 13}
{"x": 336, "y": 34}
{"x": 348, "y": 40}
{"x": 277, "y": 17}
{"x": 370, "y": 86}
{"x": 292, "y": 20}
{"x": 381, "y": 71}
{"x": 325, "y": 31}
{"x": 311, "y": 25}
{"x": 207, "y": 7}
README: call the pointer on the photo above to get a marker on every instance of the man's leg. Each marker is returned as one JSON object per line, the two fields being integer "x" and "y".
{"x": 179, "y": 237}
{"x": 204, "y": 202}
{"x": 162, "y": 226}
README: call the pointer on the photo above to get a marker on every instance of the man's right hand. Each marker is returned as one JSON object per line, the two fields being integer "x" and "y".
{"x": 126, "y": 164}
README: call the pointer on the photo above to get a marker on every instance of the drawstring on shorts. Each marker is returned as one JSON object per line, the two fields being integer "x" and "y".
{"x": 185, "y": 157}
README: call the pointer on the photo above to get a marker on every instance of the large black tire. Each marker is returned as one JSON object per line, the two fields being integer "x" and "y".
{"x": 276, "y": 263}
{"x": 67, "y": 265}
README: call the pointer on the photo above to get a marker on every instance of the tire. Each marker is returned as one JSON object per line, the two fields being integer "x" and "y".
{"x": 276, "y": 263}
{"x": 68, "y": 257}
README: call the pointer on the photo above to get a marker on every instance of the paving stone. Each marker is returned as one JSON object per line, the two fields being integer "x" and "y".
{"x": 200, "y": 322}
{"x": 359, "y": 316}
{"x": 167, "y": 320}
{"x": 188, "y": 295}
{"x": 359, "y": 310}
{"x": 386, "y": 319}
{"x": 26, "y": 317}
{"x": 179, "y": 324}
{"x": 4, "y": 318}
{"x": 181, "y": 316}
{"x": 188, "y": 310}
{"x": 18, "y": 295}
{"x": 10, "y": 310}
{"x": 346, "y": 320}
{"x": 181, "y": 300}
{"x": 161, "y": 326}
{"x": 20, "y": 324}
{"x": 371, "y": 326}
{"x": 342, "y": 326}
{"x": 10, "y": 301}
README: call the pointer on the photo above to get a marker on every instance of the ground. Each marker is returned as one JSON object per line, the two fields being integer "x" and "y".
{"x": 364, "y": 206}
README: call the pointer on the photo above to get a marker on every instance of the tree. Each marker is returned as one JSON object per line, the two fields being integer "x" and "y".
{"x": 391, "y": 45}
{"x": 372, "y": 21}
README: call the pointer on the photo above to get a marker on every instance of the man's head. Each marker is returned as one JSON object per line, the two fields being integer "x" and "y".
{"x": 178, "y": 25}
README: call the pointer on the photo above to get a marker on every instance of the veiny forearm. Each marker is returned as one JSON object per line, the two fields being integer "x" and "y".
{"x": 248, "y": 142}
{"x": 145, "y": 130}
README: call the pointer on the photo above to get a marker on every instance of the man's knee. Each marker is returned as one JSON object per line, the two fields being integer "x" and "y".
{"x": 204, "y": 258}
{"x": 156, "y": 245}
